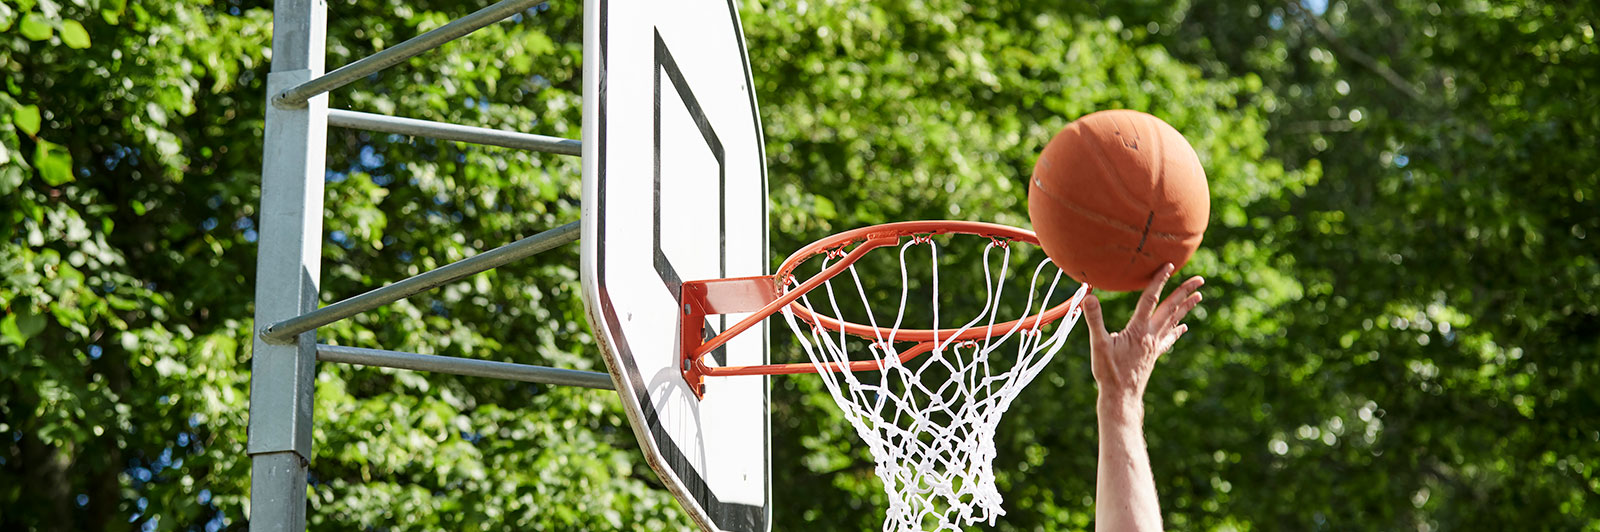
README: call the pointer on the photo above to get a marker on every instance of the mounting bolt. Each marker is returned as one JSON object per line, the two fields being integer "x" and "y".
{"x": 685, "y": 308}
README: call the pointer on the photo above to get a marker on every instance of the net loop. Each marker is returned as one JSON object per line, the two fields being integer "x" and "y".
{"x": 929, "y": 412}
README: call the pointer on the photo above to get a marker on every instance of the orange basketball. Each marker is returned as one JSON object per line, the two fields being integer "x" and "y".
{"x": 1115, "y": 195}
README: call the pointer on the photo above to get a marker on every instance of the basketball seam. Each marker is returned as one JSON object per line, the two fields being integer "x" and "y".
{"x": 1146, "y": 235}
{"x": 1161, "y": 176}
{"x": 1092, "y": 215}
{"x": 1100, "y": 157}
{"x": 1106, "y": 220}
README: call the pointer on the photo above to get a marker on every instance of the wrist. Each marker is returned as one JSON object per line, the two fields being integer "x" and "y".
{"x": 1120, "y": 407}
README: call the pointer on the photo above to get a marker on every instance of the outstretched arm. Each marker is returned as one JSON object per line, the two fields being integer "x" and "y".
{"x": 1125, "y": 490}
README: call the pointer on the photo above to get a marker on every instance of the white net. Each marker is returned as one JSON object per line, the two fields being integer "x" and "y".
{"x": 930, "y": 421}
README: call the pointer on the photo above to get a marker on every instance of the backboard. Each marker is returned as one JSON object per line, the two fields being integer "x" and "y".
{"x": 674, "y": 190}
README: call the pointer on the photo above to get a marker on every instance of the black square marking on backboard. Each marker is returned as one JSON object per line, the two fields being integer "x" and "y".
{"x": 726, "y": 515}
{"x": 669, "y": 275}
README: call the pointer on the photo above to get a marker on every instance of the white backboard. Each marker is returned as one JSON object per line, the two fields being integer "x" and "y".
{"x": 674, "y": 190}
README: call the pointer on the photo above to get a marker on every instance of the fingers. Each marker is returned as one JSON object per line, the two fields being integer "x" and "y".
{"x": 1182, "y": 300}
{"x": 1152, "y": 295}
{"x": 1170, "y": 338}
{"x": 1183, "y": 308}
{"x": 1097, "y": 322}
{"x": 1104, "y": 365}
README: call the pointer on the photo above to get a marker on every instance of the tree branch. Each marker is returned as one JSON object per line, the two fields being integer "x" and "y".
{"x": 1361, "y": 58}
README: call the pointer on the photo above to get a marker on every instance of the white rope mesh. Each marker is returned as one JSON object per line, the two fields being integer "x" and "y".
{"x": 930, "y": 422}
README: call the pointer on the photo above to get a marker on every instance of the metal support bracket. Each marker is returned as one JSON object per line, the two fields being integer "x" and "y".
{"x": 712, "y": 297}
{"x": 759, "y": 296}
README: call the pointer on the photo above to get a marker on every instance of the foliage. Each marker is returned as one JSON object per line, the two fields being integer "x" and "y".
{"x": 938, "y": 111}
{"x": 1399, "y": 332}
{"x": 130, "y": 251}
{"x": 1442, "y": 370}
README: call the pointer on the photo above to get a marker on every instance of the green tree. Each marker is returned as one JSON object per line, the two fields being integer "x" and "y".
{"x": 122, "y": 328}
{"x": 1399, "y": 329}
{"x": 938, "y": 110}
{"x": 131, "y": 168}
{"x": 1438, "y": 368}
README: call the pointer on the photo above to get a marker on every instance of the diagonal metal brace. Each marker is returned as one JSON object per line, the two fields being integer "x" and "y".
{"x": 712, "y": 297}
{"x": 285, "y": 331}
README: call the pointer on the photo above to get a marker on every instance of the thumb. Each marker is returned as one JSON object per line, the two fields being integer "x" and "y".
{"x": 1097, "y": 323}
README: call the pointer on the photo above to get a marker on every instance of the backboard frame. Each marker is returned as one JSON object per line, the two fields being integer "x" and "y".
{"x": 659, "y": 412}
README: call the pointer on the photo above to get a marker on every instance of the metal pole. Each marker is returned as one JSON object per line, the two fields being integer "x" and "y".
{"x": 284, "y": 330}
{"x": 288, "y": 269}
{"x": 464, "y": 366}
{"x": 456, "y": 132}
{"x": 412, "y": 47}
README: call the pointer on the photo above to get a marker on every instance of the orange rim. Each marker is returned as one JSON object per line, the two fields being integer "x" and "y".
{"x": 875, "y": 236}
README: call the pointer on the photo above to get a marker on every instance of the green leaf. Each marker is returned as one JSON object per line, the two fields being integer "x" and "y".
{"x": 27, "y": 119}
{"x": 7, "y": 16}
{"x": 824, "y": 208}
{"x": 10, "y": 331}
{"x": 73, "y": 34}
{"x": 111, "y": 10}
{"x": 22, "y": 325}
{"x": 23, "y": 5}
{"x": 53, "y": 162}
{"x": 11, "y": 177}
{"x": 35, "y": 27}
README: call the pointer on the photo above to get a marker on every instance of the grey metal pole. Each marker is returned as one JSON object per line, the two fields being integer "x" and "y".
{"x": 285, "y": 330}
{"x": 456, "y": 132}
{"x": 464, "y": 366}
{"x": 412, "y": 47}
{"x": 289, "y": 265}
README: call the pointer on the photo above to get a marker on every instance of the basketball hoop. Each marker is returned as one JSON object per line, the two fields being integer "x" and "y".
{"x": 929, "y": 417}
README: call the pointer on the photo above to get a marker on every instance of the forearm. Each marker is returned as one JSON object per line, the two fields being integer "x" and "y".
{"x": 1125, "y": 489}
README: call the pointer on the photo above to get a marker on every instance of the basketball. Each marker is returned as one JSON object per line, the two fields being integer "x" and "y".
{"x": 1117, "y": 194}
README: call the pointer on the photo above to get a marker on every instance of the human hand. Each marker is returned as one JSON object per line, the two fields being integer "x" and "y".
{"x": 1122, "y": 361}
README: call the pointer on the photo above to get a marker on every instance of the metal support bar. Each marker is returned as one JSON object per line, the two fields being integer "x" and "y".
{"x": 464, "y": 366}
{"x": 288, "y": 271}
{"x": 288, "y": 268}
{"x": 412, "y": 47}
{"x": 494, "y": 258}
{"x": 456, "y": 132}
